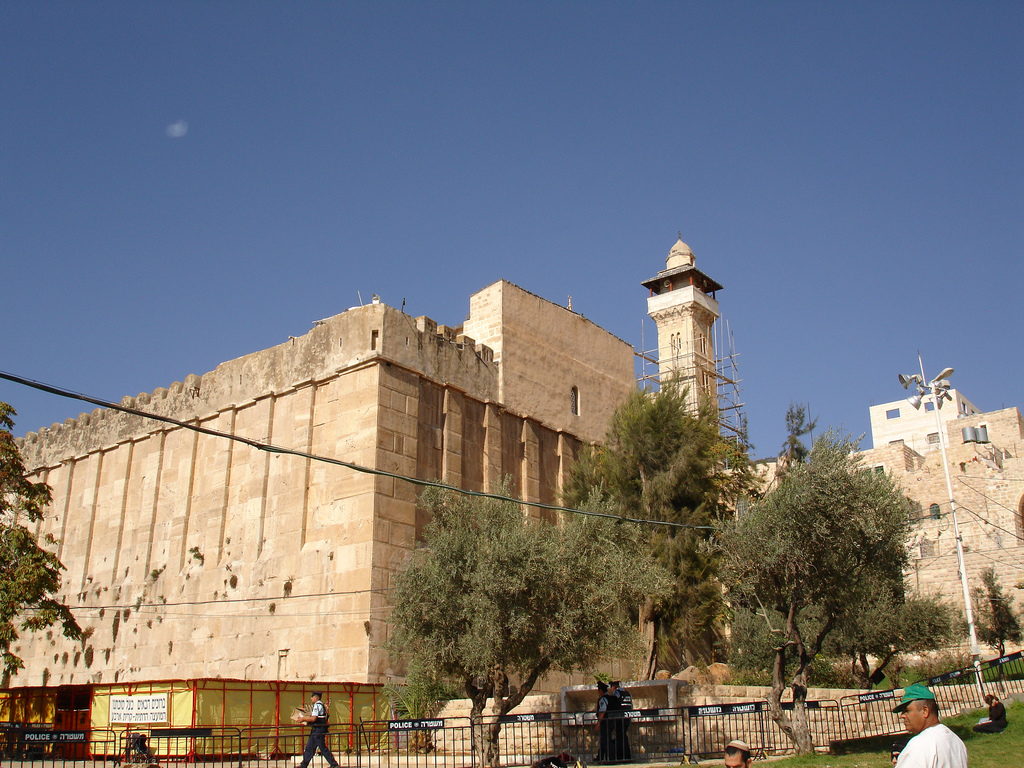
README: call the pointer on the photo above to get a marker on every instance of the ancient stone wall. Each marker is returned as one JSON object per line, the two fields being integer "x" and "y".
{"x": 534, "y": 340}
{"x": 192, "y": 556}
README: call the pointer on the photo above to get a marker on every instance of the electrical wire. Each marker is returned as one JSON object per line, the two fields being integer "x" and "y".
{"x": 270, "y": 448}
{"x": 989, "y": 498}
{"x": 140, "y": 606}
{"x": 981, "y": 519}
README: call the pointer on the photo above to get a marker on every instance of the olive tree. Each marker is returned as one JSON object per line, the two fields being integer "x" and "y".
{"x": 805, "y": 556}
{"x": 888, "y": 623}
{"x": 498, "y": 598}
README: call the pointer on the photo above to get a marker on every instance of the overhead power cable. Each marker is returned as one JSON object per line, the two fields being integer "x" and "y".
{"x": 270, "y": 448}
{"x": 989, "y": 522}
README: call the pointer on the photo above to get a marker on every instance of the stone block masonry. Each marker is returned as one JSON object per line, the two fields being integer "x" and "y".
{"x": 191, "y": 556}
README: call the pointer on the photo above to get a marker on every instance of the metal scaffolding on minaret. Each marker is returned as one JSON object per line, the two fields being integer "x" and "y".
{"x": 682, "y": 302}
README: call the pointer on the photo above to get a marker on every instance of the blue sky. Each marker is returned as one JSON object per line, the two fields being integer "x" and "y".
{"x": 182, "y": 183}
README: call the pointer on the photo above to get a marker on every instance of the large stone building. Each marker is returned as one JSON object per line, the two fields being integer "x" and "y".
{"x": 987, "y": 477}
{"x": 195, "y": 556}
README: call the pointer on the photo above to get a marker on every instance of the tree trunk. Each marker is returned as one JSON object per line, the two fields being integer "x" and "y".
{"x": 795, "y": 726}
{"x": 486, "y": 736}
{"x": 775, "y": 694}
{"x": 478, "y": 695}
{"x": 802, "y": 739}
{"x": 861, "y": 671}
{"x": 649, "y": 631}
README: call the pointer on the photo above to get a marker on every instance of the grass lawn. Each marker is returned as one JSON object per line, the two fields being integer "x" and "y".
{"x": 984, "y": 750}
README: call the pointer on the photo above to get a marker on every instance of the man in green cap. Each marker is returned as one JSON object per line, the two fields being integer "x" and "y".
{"x": 932, "y": 744}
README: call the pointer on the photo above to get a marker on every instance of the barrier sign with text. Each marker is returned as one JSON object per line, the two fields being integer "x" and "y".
{"x": 54, "y": 737}
{"x": 534, "y": 717}
{"x": 876, "y": 696}
{"x": 415, "y": 725}
{"x": 1003, "y": 660}
{"x": 150, "y": 708}
{"x": 633, "y": 714}
{"x": 726, "y": 709}
{"x": 788, "y": 705}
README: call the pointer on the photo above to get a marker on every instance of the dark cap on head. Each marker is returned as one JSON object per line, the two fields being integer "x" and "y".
{"x": 318, "y": 694}
{"x": 602, "y": 687}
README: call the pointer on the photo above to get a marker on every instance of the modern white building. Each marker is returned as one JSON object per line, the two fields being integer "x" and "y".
{"x": 900, "y": 423}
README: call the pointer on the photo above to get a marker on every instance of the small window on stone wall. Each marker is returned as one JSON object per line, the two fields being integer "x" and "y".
{"x": 934, "y": 511}
{"x": 933, "y": 438}
{"x": 374, "y": 335}
{"x": 892, "y": 413}
{"x": 574, "y": 401}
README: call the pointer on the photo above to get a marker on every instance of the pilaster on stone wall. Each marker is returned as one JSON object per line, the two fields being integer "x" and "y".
{"x": 531, "y": 460}
{"x": 452, "y": 427}
{"x": 492, "y": 447}
{"x": 568, "y": 448}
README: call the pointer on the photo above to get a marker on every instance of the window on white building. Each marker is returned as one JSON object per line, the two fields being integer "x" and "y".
{"x": 893, "y": 413}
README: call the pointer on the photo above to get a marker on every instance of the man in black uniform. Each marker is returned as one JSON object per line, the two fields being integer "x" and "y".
{"x": 622, "y": 702}
{"x": 317, "y": 717}
{"x": 604, "y": 724}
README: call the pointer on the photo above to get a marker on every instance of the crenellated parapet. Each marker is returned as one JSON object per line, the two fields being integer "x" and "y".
{"x": 357, "y": 337}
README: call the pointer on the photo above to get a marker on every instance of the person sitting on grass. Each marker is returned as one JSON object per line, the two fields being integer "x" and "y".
{"x": 996, "y": 720}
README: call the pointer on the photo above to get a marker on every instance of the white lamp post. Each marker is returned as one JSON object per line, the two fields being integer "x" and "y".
{"x": 938, "y": 388}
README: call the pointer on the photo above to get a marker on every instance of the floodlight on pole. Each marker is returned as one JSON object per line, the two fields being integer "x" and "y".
{"x": 938, "y": 388}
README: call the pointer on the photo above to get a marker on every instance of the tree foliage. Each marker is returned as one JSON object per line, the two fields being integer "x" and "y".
{"x": 888, "y": 623}
{"x": 798, "y": 425}
{"x": 665, "y": 461}
{"x": 805, "y": 556}
{"x": 997, "y": 621}
{"x": 499, "y": 598}
{"x": 29, "y": 575}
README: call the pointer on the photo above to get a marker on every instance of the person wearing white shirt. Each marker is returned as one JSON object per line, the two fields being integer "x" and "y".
{"x": 932, "y": 745}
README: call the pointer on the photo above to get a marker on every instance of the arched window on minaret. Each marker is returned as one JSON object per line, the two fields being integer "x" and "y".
{"x": 574, "y": 401}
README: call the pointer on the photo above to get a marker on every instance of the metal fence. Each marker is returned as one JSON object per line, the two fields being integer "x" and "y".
{"x": 1005, "y": 674}
{"x": 652, "y": 734}
{"x": 279, "y": 745}
{"x": 710, "y": 728}
{"x": 435, "y": 743}
{"x": 23, "y": 744}
{"x": 869, "y": 714}
{"x": 824, "y": 719}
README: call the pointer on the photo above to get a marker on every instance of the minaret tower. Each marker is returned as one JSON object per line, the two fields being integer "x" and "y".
{"x": 683, "y": 305}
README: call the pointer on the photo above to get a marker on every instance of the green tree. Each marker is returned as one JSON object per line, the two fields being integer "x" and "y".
{"x": 997, "y": 621}
{"x": 797, "y": 426}
{"x": 888, "y": 623}
{"x": 498, "y": 598}
{"x": 804, "y": 557}
{"x": 29, "y": 575}
{"x": 665, "y": 461}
